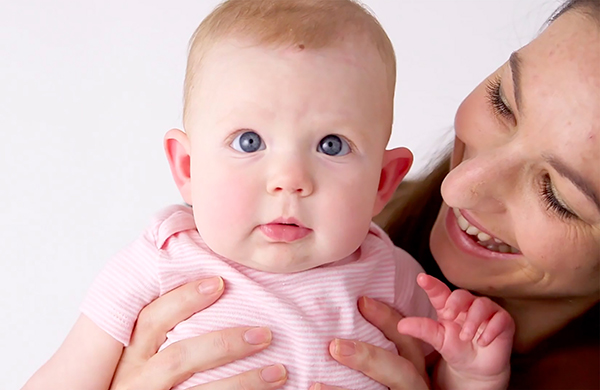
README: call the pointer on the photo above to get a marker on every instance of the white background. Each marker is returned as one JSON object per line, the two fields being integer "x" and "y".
{"x": 87, "y": 91}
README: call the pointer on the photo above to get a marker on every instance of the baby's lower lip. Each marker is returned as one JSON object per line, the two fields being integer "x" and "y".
{"x": 279, "y": 232}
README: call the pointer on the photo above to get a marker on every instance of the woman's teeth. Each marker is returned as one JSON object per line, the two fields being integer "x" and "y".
{"x": 483, "y": 239}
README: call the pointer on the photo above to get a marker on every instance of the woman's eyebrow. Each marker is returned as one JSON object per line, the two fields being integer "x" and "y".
{"x": 515, "y": 67}
{"x": 575, "y": 178}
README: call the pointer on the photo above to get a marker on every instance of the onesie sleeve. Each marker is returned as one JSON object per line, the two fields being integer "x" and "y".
{"x": 410, "y": 299}
{"x": 128, "y": 282}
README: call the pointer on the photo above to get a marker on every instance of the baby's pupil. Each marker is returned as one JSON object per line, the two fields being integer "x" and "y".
{"x": 250, "y": 142}
{"x": 331, "y": 145}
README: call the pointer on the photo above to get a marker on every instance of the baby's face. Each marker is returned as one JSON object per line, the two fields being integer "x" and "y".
{"x": 286, "y": 151}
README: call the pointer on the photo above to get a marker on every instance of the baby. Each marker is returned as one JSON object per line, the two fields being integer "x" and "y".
{"x": 287, "y": 114}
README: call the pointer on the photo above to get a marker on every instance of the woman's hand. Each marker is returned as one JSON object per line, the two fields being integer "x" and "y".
{"x": 141, "y": 367}
{"x": 405, "y": 372}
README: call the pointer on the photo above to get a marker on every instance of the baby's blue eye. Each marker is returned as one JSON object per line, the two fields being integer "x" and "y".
{"x": 248, "y": 142}
{"x": 332, "y": 145}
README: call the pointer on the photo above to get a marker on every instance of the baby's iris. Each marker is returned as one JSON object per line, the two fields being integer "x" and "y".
{"x": 332, "y": 145}
{"x": 248, "y": 142}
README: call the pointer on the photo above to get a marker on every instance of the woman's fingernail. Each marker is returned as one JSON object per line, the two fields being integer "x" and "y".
{"x": 211, "y": 285}
{"x": 257, "y": 336}
{"x": 273, "y": 373}
{"x": 345, "y": 347}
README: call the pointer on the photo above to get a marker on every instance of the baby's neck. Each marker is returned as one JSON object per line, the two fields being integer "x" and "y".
{"x": 537, "y": 319}
{"x": 354, "y": 256}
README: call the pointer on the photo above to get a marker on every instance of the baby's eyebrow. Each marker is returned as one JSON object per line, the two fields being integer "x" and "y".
{"x": 574, "y": 177}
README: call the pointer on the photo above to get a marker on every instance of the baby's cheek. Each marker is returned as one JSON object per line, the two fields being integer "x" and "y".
{"x": 347, "y": 217}
{"x": 223, "y": 207}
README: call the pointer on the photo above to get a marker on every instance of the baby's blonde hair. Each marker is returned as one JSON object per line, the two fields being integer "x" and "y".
{"x": 307, "y": 24}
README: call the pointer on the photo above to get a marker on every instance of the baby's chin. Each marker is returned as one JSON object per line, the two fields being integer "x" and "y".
{"x": 280, "y": 266}
{"x": 286, "y": 263}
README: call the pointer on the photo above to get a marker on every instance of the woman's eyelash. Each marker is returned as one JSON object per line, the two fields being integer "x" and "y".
{"x": 495, "y": 98}
{"x": 552, "y": 202}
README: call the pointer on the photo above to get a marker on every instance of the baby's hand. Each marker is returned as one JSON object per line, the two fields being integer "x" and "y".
{"x": 473, "y": 335}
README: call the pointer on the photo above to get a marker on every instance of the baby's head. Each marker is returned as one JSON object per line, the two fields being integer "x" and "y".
{"x": 294, "y": 25}
{"x": 288, "y": 109}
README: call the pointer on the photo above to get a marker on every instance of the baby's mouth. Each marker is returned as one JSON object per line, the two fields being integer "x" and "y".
{"x": 481, "y": 238}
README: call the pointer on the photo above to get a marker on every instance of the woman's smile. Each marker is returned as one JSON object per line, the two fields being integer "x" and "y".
{"x": 480, "y": 236}
{"x": 471, "y": 240}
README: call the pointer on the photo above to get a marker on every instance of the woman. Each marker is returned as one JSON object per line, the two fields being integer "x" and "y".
{"x": 519, "y": 222}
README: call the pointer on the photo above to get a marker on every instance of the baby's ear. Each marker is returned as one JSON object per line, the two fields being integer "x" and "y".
{"x": 395, "y": 165}
{"x": 177, "y": 148}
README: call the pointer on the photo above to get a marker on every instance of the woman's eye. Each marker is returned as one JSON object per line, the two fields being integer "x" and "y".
{"x": 332, "y": 145}
{"x": 552, "y": 202}
{"x": 496, "y": 100}
{"x": 248, "y": 142}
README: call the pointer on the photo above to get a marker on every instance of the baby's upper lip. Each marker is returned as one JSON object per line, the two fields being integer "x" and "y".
{"x": 288, "y": 221}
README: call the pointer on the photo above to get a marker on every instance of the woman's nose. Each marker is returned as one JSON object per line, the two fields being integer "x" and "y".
{"x": 483, "y": 182}
{"x": 290, "y": 176}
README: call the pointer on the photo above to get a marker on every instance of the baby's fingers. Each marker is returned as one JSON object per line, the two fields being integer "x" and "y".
{"x": 480, "y": 312}
{"x": 422, "y": 328}
{"x": 437, "y": 291}
{"x": 500, "y": 325}
{"x": 457, "y": 305}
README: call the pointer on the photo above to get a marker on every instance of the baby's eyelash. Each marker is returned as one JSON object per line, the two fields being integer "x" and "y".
{"x": 495, "y": 98}
{"x": 551, "y": 201}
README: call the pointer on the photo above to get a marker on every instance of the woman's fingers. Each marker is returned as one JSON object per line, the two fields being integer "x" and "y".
{"x": 321, "y": 386}
{"x": 386, "y": 319}
{"x": 182, "y": 359}
{"x": 152, "y": 325}
{"x": 383, "y": 366}
{"x": 267, "y": 378}
{"x": 160, "y": 316}
{"x": 142, "y": 367}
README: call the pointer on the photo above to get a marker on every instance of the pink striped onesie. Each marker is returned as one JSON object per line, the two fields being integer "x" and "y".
{"x": 304, "y": 310}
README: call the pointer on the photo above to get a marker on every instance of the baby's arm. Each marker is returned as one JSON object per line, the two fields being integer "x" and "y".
{"x": 473, "y": 335}
{"x": 86, "y": 360}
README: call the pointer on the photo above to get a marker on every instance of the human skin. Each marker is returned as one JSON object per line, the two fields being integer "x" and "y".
{"x": 505, "y": 169}
{"x": 500, "y": 163}
{"x": 297, "y": 103}
{"x": 560, "y": 88}
{"x": 279, "y": 208}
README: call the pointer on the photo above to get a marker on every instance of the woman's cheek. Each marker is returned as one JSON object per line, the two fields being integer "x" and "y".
{"x": 565, "y": 258}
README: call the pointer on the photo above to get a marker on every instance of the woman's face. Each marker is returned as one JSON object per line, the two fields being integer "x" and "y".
{"x": 525, "y": 177}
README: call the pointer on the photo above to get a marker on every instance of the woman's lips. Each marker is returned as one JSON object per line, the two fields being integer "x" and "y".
{"x": 283, "y": 232}
{"x": 466, "y": 243}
